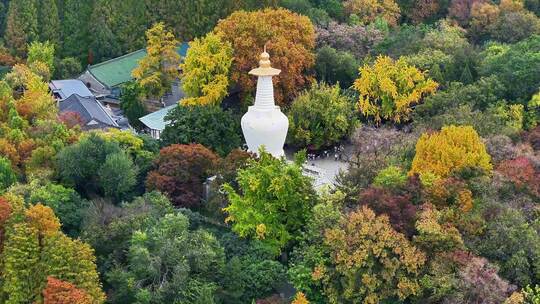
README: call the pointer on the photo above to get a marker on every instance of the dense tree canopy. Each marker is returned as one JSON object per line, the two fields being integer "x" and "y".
{"x": 436, "y": 199}
{"x": 288, "y": 37}
{"x": 205, "y": 71}
{"x": 320, "y": 117}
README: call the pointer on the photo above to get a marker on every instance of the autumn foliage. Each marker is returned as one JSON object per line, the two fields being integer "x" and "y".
{"x": 368, "y": 11}
{"x": 289, "y": 39}
{"x": 522, "y": 172}
{"x": 180, "y": 170}
{"x": 388, "y": 89}
{"x": 365, "y": 248}
{"x": 453, "y": 148}
{"x": 61, "y": 292}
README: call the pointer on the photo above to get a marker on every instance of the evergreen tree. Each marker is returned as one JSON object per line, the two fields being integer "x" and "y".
{"x": 129, "y": 23}
{"x": 75, "y": 26}
{"x": 22, "y": 25}
{"x": 104, "y": 44}
{"x": 49, "y": 22}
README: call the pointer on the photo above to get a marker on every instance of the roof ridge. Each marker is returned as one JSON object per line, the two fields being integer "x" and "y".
{"x": 117, "y": 58}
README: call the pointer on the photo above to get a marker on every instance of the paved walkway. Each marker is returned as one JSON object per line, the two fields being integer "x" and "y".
{"x": 324, "y": 170}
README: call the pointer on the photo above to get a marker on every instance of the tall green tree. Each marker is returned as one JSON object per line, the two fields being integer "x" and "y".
{"x": 76, "y": 27}
{"x": 7, "y": 176}
{"x": 274, "y": 203}
{"x": 132, "y": 104}
{"x": 49, "y": 22}
{"x": 103, "y": 42}
{"x": 21, "y": 26}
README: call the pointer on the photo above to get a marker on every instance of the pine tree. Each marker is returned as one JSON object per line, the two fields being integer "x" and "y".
{"x": 104, "y": 44}
{"x": 130, "y": 25}
{"x": 49, "y": 22}
{"x": 22, "y": 25}
{"x": 76, "y": 29}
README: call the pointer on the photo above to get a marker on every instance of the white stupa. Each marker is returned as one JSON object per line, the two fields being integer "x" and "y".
{"x": 264, "y": 124}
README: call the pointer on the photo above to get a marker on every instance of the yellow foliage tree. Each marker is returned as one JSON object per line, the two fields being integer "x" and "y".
{"x": 159, "y": 68}
{"x": 205, "y": 71}
{"x": 371, "y": 262}
{"x": 289, "y": 38}
{"x": 42, "y": 218}
{"x": 369, "y": 10}
{"x": 453, "y": 148}
{"x": 300, "y": 298}
{"x": 388, "y": 89}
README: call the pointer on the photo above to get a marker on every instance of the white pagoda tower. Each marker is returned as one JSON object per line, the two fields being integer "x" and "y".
{"x": 264, "y": 124}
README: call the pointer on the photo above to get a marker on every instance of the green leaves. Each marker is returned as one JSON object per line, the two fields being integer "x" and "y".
{"x": 274, "y": 203}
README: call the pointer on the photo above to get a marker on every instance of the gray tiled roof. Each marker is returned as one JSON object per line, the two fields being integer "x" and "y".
{"x": 89, "y": 109}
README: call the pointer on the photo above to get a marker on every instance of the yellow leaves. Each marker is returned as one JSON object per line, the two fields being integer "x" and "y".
{"x": 205, "y": 71}
{"x": 156, "y": 71}
{"x": 389, "y": 88}
{"x": 300, "y": 298}
{"x": 453, "y": 148}
{"x": 260, "y": 231}
{"x": 369, "y": 10}
{"x": 465, "y": 200}
{"x": 43, "y": 219}
{"x": 366, "y": 246}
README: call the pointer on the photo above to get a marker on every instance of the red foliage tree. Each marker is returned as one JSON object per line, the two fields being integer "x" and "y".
{"x": 398, "y": 207}
{"x": 70, "y": 119}
{"x": 460, "y": 10}
{"x": 533, "y": 137}
{"x": 522, "y": 172}
{"x": 180, "y": 170}
{"x": 60, "y": 292}
{"x": 5, "y": 213}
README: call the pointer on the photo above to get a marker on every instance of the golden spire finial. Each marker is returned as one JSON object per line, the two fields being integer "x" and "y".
{"x": 265, "y": 66}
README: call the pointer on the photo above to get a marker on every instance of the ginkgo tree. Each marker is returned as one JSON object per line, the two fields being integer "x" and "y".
{"x": 159, "y": 68}
{"x": 205, "y": 71}
{"x": 274, "y": 203}
{"x": 389, "y": 88}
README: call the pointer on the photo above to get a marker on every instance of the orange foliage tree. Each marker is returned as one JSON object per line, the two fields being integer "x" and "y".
{"x": 289, "y": 38}
{"x": 60, "y": 292}
{"x": 453, "y": 148}
{"x": 42, "y": 218}
{"x": 371, "y": 262}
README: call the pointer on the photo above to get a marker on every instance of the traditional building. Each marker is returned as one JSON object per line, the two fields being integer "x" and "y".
{"x": 92, "y": 113}
{"x": 154, "y": 123}
{"x": 62, "y": 89}
{"x": 264, "y": 124}
{"x": 105, "y": 79}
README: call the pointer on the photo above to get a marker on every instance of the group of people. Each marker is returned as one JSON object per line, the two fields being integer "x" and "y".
{"x": 338, "y": 152}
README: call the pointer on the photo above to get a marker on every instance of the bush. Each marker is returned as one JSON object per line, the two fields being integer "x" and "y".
{"x": 320, "y": 117}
